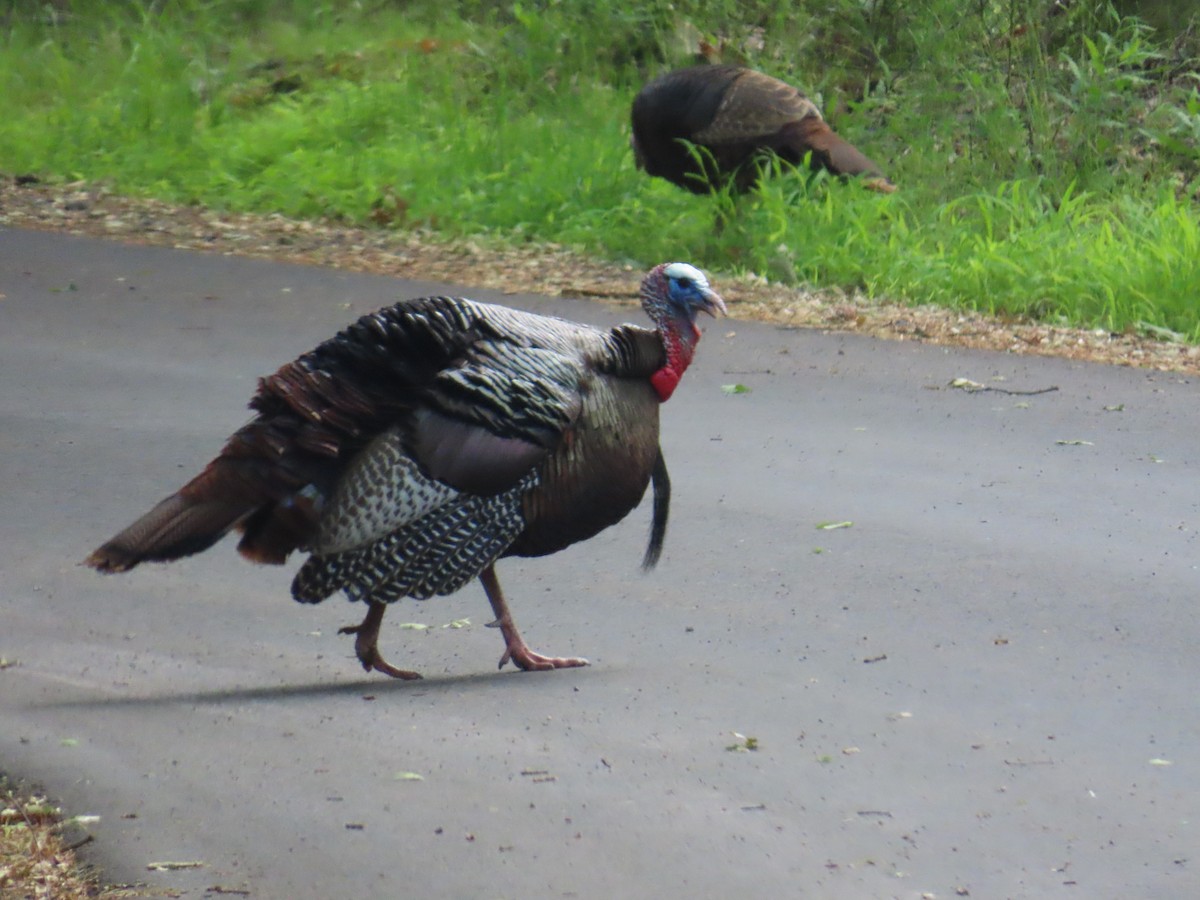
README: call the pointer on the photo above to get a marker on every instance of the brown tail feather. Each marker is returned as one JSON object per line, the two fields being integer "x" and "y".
{"x": 275, "y": 530}
{"x": 833, "y": 152}
{"x": 176, "y": 527}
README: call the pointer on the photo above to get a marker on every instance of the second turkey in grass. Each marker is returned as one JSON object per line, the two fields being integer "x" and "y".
{"x": 706, "y": 127}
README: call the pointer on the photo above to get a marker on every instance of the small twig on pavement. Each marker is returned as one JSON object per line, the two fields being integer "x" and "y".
{"x": 86, "y": 839}
{"x": 974, "y": 387}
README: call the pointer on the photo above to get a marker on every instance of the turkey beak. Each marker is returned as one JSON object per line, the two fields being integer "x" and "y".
{"x": 713, "y": 303}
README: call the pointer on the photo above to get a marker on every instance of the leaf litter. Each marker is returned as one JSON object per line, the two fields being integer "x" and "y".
{"x": 742, "y": 743}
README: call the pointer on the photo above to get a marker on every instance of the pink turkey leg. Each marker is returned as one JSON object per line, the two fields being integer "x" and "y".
{"x": 366, "y": 638}
{"x": 515, "y": 647}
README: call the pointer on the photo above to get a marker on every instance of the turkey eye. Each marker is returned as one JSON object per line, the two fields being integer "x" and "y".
{"x": 684, "y": 282}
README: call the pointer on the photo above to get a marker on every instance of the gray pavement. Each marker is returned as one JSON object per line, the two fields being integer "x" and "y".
{"x": 985, "y": 687}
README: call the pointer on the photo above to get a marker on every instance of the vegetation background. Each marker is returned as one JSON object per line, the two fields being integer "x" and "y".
{"x": 1048, "y": 151}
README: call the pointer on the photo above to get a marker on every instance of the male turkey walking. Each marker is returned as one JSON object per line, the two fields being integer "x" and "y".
{"x": 427, "y": 440}
{"x": 735, "y": 117}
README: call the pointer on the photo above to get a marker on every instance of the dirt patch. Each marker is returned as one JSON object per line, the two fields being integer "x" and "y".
{"x": 547, "y": 269}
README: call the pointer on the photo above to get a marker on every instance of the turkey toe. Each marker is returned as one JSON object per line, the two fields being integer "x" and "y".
{"x": 515, "y": 648}
{"x": 379, "y": 664}
{"x": 366, "y": 644}
{"x": 527, "y": 660}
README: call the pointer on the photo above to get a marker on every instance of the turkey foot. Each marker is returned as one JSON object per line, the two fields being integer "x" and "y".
{"x": 366, "y": 640}
{"x": 515, "y": 648}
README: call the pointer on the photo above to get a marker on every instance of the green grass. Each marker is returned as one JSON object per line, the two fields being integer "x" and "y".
{"x": 1048, "y": 164}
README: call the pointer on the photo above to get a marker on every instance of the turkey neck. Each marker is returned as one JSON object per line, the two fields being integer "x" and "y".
{"x": 679, "y": 335}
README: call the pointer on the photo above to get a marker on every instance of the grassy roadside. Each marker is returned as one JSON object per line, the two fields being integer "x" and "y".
{"x": 33, "y": 860}
{"x": 36, "y": 861}
{"x": 1048, "y": 161}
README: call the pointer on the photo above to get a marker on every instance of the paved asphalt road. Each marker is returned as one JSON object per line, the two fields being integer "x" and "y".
{"x": 987, "y": 684}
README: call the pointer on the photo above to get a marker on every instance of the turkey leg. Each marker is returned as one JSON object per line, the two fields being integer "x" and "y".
{"x": 515, "y": 647}
{"x": 365, "y": 640}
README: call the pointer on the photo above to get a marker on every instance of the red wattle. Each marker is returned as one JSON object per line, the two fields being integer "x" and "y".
{"x": 664, "y": 382}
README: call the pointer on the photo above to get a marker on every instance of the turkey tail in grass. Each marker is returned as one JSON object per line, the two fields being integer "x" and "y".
{"x": 410, "y": 452}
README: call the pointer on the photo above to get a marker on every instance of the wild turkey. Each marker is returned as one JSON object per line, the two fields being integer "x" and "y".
{"x": 734, "y": 116}
{"x": 428, "y": 439}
